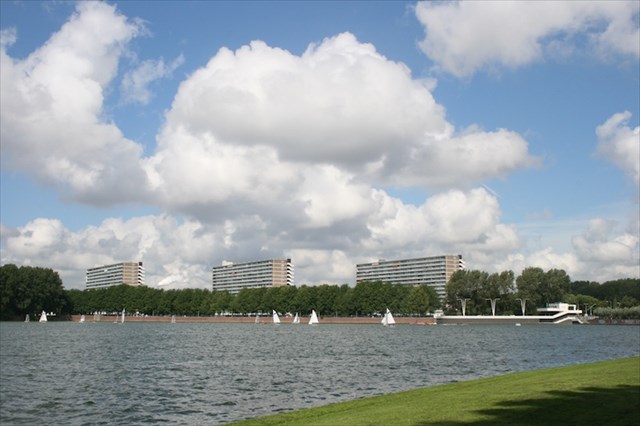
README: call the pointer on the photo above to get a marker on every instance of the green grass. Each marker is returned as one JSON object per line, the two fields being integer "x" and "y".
{"x": 590, "y": 394}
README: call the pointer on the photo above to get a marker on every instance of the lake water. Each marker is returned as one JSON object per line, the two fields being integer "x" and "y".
{"x": 135, "y": 373}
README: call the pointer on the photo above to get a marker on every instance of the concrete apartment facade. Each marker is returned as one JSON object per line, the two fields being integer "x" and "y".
{"x": 233, "y": 277}
{"x": 130, "y": 273}
{"x": 433, "y": 271}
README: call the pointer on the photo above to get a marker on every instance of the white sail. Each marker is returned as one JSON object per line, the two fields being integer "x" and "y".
{"x": 43, "y": 317}
{"x": 122, "y": 320}
{"x": 296, "y": 319}
{"x": 173, "y": 319}
{"x": 314, "y": 318}
{"x": 257, "y": 319}
{"x": 82, "y": 318}
{"x": 276, "y": 318}
{"x": 388, "y": 319}
{"x": 27, "y": 319}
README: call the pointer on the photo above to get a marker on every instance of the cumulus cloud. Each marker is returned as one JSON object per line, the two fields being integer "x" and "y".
{"x": 51, "y": 108}
{"x": 262, "y": 154}
{"x": 340, "y": 110}
{"x": 464, "y": 37}
{"x": 604, "y": 244}
{"x": 621, "y": 144}
{"x": 165, "y": 245}
{"x": 135, "y": 83}
{"x": 180, "y": 253}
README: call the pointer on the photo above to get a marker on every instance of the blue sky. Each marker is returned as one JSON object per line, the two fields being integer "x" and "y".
{"x": 184, "y": 134}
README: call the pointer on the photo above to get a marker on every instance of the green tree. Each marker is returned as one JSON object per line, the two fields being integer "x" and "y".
{"x": 496, "y": 286}
{"x": 528, "y": 285}
{"x": 344, "y": 301}
{"x": 418, "y": 300}
{"x": 30, "y": 290}
{"x": 466, "y": 285}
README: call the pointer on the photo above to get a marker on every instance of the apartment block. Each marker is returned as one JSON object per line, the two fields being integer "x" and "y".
{"x": 233, "y": 277}
{"x": 433, "y": 271}
{"x": 130, "y": 273}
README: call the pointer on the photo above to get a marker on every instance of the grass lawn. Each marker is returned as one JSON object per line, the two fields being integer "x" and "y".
{"x": 602, "y": 393}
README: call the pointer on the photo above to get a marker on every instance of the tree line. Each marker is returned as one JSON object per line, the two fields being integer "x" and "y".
{"x": 365, "y": 299}
{"x": 534, "y": 288}
{"x": 29, "y": 290}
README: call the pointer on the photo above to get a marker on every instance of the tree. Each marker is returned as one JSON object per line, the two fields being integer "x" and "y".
{"x": 30, "y": 290}
{"x": 554, "y": 286}
{"x": 466, "y": 285}
{"x": 540, "y": 288}
{"x": 497, "y": 286}
{"x": 528, "y": 284}
{"x": 418, "y": 300}
{"x": 344, "y": 301}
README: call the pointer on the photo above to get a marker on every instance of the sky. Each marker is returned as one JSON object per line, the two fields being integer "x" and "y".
{"x": 187, "y": 134}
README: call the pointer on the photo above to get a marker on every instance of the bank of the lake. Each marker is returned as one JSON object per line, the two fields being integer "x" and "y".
{"x": 248, "y": 319}
{"x": 589, "y": 394}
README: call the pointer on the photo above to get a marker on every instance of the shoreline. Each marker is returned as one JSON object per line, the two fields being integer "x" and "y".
{"x": 251, "y": 320}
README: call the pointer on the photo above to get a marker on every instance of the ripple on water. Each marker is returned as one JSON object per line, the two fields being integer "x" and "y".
{"x": 216, "y": 373}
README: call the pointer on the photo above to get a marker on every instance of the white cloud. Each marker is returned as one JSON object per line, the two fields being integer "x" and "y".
{"x": 604, "y": 250}
{"x": 135, "y": 83}
{"x": 180, "y": 253}
{"x": 464, "y": 37}
{"x": 338, "y": 112}
{"x": 51, "y": 109}
{"x": 604, "y": 245}
{"x": 165, "y": 245}
{"x": 621, "y": 144}
{"x": 263, "y": 154}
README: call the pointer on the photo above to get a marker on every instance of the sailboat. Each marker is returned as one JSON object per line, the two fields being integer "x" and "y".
{"x": 388, "y": 319}
{"x": 173, "y": 319}
{"x": 27, "y": 319}
{"x": 276, "y": 318}
{"x": 82, "y": 318}
{"x": 314, "y": 318}
{"x": 296, "y": 319}
{"x": 122, "y": 320}
{"x": 43, "y": 317}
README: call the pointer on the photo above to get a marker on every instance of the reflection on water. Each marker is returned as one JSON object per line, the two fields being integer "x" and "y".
{"x": 133, "y": 373}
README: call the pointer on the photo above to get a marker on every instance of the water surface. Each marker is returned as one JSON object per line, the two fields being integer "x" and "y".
{"x": 188, "y": 373}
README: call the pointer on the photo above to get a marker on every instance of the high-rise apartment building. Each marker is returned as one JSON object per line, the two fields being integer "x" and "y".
{"x": 130, "y": 273}
{"x": 433, "y": 271}
{"x": 263, "y": 273}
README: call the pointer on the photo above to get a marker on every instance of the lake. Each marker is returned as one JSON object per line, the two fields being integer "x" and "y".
{"x": 193, "y": 373}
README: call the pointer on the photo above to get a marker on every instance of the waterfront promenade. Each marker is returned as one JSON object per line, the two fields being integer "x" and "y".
{"x": 252, "y": 319}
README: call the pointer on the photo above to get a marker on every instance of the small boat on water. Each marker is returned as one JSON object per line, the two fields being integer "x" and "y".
{"x": 81, "y": 318}
{"x": 388, "y": 320}
{"x": 43, "y": 317}
{"x": 314, "y": 318}
{"x": 296, "y": 319}
{"x": 27, "y": 319}
{"x": 276, "y": 318}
